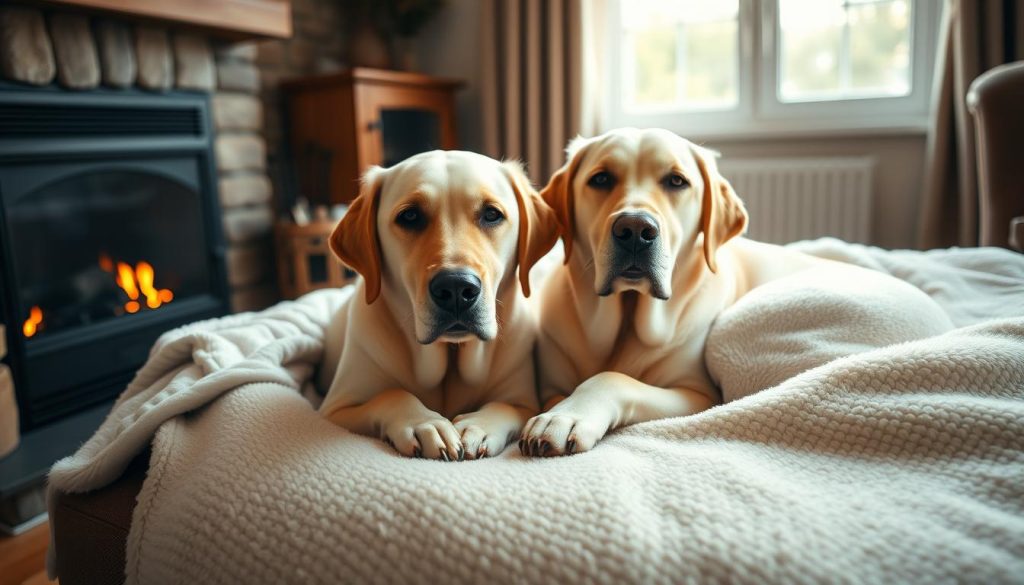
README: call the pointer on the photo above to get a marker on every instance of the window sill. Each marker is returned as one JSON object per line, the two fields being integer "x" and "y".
{"x": 808, "y": 129}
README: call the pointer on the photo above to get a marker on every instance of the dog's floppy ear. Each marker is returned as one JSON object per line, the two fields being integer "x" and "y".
{"x": 354, "y": 240}
{"x": 538, "y": 227}
{"x": 558, "y": 192}
{"x": 722, "y": 215}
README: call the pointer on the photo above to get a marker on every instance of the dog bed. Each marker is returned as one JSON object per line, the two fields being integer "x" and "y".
{"x": 903, "y": 462}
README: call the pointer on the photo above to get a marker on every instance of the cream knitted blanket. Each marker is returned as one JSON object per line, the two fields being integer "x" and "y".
{"x": 903, "y": 463}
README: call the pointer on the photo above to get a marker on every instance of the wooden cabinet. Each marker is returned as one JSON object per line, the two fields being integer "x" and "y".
{"x": 342, "y": 123}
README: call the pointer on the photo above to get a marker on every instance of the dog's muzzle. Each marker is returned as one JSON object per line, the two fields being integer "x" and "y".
{"x": 455, "y": 294}
{"x": 635, "y": 254}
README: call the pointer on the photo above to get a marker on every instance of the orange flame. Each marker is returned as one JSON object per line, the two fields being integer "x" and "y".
{"x": 35, "y": 318}
{"x": 135, "y": 282}
{"x": 140, "y": 280}
{"x": 106, "y": 264}
{"x": 144, "y": 274}
{"x": 126, "y": 280}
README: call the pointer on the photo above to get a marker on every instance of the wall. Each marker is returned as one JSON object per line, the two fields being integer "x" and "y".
{"x": 245, "y": 190}
{"x": 317, "y": 45}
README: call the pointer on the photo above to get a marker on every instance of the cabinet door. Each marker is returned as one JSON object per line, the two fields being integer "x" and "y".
{"x": 395, "y": 123}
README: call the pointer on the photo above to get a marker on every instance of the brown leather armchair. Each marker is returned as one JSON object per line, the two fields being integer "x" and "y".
{"x": 996, "y": 100}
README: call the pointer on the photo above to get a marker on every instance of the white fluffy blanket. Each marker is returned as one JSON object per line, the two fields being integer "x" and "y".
{"x": 903, "y": 463}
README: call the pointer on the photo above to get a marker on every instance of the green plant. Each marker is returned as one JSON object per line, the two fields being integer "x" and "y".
{"x": 397, "y": 18}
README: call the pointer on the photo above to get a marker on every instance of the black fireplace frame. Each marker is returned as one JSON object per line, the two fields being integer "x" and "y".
{"x": 90, "y": 126}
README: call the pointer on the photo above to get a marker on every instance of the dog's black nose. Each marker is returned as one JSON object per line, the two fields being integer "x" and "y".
{"x": 635, "y": 231}
{"x": 454, "y": 290}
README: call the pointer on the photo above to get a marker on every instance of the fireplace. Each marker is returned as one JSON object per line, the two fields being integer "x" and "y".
{"x": 109, "y": 235}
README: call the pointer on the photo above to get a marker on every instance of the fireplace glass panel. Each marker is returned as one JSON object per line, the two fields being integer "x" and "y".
{"x": 105, "y": 244}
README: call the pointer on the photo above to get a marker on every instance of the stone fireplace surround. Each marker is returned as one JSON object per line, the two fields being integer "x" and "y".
{"x": 81, "y": 53}
{"x": 77, "y": 52}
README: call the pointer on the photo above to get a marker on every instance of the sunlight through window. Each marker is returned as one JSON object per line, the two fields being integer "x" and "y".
{"x": 680, "y": 54}
{"x": 843, "y": 49}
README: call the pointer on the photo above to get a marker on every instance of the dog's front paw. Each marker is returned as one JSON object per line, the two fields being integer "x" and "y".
{"x": 430, "y": 438}
{"x": 556, "y": 432}
{"x": 480, "y": 442}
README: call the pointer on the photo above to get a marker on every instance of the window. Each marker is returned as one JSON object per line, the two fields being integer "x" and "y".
{"x": 680, "y": 55}
{"x": 769, "y": 66}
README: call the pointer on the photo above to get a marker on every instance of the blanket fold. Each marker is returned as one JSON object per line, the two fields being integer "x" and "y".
{"x": 899, "y": 463}
{"x": 188, "y": 368}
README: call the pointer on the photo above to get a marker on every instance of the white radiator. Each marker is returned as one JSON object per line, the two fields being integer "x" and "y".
{"x": 802, "y": 198}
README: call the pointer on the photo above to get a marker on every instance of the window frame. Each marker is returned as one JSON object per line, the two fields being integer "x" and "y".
{"x": 759, "y": 111}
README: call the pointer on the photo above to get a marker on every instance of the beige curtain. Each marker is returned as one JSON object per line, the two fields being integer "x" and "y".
{"x": 537, "y": 74}
{"x": 975, "y": 36}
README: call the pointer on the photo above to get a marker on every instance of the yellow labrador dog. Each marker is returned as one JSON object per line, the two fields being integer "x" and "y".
{"x": 652, "y": 256}
{"x": 434, "y": 350}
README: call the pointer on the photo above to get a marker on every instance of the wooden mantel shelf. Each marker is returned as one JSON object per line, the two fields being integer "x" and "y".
{"x": 234, "y": 19}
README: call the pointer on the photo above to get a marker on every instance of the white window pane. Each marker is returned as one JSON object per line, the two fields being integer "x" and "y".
{"x": 841, "y": 49}
{"x": 711, "y": 64}
{"x": 652, "y": 78}
{"x": 811, "y": 46}
{"x": 880, "y": 48}
{"x": 680, "y": 55}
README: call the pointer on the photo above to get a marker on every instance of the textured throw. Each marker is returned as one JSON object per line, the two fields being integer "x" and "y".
{"x": 898, "y": 463}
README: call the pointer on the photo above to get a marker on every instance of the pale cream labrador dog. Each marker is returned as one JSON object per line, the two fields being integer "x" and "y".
{"x": 434, "y": 350}
{"x": 652, "y": 256}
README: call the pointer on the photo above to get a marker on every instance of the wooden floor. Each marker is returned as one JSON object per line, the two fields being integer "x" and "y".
{"x": 22, "y": 557}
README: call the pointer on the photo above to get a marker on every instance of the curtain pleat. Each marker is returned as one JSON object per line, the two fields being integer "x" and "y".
{"x": 533, "y": 73}
{"x": 489, "y": 56}
{"x": 557, "y": 117}
{"x": 534, "y": 82}
{"x": 513, "y": 83}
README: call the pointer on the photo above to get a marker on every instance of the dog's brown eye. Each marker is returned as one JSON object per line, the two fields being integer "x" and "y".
{"x": 603, "y": 180}
{"x": 491, "y": 216}
{"x": 674, "y": 181}
{"x": 411, "y": 218}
